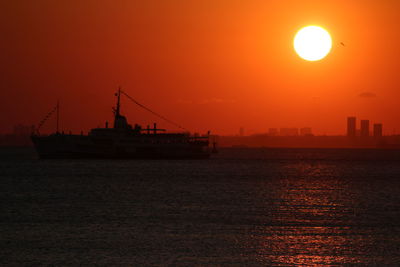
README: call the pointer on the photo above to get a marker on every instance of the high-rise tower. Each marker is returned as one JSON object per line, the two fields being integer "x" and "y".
{"x": 378, "y": 130}
{"x": 351, "y": 126}
{"x": 364, "y": 128}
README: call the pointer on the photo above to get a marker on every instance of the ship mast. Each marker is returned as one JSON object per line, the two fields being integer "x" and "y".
{"x": 119, "y": 121}
{"x": 118, "y": 102}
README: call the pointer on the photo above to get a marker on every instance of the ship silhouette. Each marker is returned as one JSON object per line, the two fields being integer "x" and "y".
{"x": 123, "y": 141}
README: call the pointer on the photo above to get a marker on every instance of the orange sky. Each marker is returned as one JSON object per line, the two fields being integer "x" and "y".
{"x": 208, "y": 65}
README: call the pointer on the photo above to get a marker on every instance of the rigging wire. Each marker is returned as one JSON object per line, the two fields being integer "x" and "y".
{"x": 153, "y": 112}
{"x": 46, "y": 118}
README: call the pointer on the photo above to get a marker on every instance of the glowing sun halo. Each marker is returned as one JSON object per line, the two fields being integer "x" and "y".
{"x": 312, "y": 43}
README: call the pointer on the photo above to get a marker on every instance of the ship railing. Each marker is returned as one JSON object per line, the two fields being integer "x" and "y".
{"x": 199, "y": 139}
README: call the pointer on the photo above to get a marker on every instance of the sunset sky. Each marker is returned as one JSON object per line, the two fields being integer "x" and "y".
{"x": 208, "y": 65}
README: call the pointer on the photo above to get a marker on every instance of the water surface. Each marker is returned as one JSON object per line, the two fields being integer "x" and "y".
{"x": 244, "y": 207}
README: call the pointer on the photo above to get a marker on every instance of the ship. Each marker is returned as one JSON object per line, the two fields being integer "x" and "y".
{"x": 122, "y": 141}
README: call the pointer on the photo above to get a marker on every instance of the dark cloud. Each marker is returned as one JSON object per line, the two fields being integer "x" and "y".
{"x": 367, "y": 95}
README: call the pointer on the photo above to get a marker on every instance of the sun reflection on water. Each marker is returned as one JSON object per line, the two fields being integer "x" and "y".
{"x": 312, "y": 218}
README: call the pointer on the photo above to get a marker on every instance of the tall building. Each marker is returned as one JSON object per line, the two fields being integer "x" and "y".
{"x": 364, "y": 128}
{"x": 351, "y": 126}
{"x": 241, "y": 131}
{"x": 378, "y": 130}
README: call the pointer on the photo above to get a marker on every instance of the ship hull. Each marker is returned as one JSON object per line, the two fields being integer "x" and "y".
{"x": 59, "y": 146}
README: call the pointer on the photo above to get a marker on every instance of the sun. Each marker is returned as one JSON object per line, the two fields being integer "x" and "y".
{"x": 312, "y": 43}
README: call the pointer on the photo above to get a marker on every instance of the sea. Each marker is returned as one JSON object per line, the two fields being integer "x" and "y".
{"x": 242, "y": 207}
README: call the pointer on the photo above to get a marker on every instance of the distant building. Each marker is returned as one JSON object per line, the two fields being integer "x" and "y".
{"x": 273, "y": 131}
{"x": 364, "y": 128}
{"x": 289, "y": 131}
{"x": 306, "y": 131}
{"x": 241, "y": 131}
{"x": 23, "y": 130}
{"x": 351, "y": 127}
{"x": 378, "y": 130}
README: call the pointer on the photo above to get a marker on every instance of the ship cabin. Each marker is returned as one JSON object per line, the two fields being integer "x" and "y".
{"x": 122, "y": 129}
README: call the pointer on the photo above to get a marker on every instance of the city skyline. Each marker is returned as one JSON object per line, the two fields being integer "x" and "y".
{"x": 375, "y": 129}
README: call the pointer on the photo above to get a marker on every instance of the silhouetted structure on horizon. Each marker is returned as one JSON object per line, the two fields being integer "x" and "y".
{"x": 23, "y": 130}
{"x": 20, "y": 136}
{"x": 241, "y": 131}
{"x": 288, "y": 131}
{"x": 364, "y": 128}
{"x": 351, "y": 127}
{"x": 273, "y": 132}
{"x": 124, "y": 141}
{"x": 305, "y": 131}
{"x": 378, "y": 130}
{"x": 303, "y": 138}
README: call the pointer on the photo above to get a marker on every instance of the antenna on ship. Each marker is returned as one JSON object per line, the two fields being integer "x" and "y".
{"x": 119, "y": 120}
{"x": 118, "y": 94}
